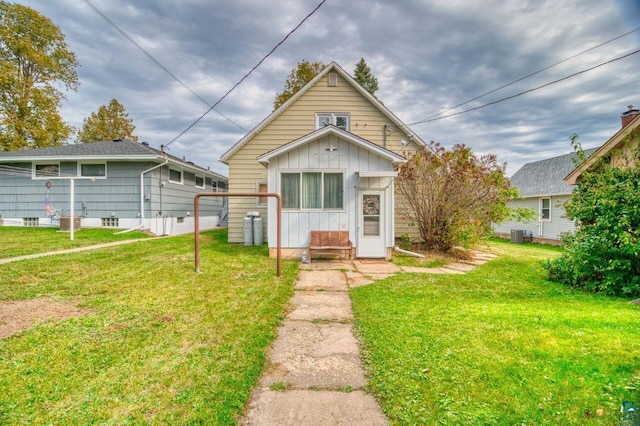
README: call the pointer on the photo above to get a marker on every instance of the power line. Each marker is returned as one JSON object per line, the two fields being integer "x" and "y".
{"x": 247, "y": 74}
{"x": 533, "y": 73}
{"x": 165, "y": 69}
{"x": 526, "y": 91}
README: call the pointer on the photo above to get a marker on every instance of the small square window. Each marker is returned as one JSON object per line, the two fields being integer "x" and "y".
{"x": 340, "y": 120}
{"x": 199, "y": 182}
{"x": 175, "y": 176}
{"x": 261, "y": 187}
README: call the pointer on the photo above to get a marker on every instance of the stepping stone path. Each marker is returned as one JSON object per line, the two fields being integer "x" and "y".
{"x": 315, "y": 376}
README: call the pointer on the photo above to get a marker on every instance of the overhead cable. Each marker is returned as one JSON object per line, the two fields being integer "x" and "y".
{"x": 534, "y": 73}
{"x": 247, "y": 74}
{"x": 526, "y": 91}
{"x": 165, "y": 69}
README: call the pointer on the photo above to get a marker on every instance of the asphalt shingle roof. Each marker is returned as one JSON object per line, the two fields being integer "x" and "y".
{"x": 546, "y": 177}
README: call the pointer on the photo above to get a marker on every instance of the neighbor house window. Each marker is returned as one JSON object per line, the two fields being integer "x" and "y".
{"x": 338, "y": 120}
{"x": 312, "y": 190}
{"x": 545, "y": 208}
{"x": 46, "y": 170}
{"x": 261, "y": 187}
{"x": 199, "y": 182}
{"x": 97, "y": 170}
{"x": 175, "y": 176}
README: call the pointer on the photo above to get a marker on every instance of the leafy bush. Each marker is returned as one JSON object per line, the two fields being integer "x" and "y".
{"x": 604, "y": 253}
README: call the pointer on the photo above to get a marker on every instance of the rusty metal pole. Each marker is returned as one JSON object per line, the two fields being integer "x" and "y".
{"x": 196, "y": 211}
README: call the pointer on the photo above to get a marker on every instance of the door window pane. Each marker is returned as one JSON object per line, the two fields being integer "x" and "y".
{"x": 371, "y": 215}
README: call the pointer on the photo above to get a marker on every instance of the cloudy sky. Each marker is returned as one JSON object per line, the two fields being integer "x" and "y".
{"x": 428, "y": 55}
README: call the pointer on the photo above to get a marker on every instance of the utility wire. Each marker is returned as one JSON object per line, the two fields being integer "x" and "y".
{"x": 247, "y": 74}
{"x": 526, "y": 91}
{"x": 165, "y": 69}
{"x": 533, "y": 73}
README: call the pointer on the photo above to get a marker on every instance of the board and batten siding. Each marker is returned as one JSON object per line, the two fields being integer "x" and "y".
{"x": 299, "y": 119}
{"x": 348, "y": 159}
{"x": 552, "y": 229}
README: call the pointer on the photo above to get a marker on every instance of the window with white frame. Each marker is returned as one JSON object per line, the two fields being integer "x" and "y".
{"x": 545, "y": 209}
{"x": 199, "y": 182}
{"x": 44, "y": 171}
{"x": 312, "y": 190}
{"x": 96, "y": 170}
{"x": 175, "y": 176}
{"x": 340, "y": 120}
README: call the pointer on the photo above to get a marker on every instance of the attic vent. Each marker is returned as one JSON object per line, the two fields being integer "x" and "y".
{"x": 333, "y": 79}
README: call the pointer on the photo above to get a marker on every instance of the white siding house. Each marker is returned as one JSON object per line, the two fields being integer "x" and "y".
{"x": 542, "y": 189}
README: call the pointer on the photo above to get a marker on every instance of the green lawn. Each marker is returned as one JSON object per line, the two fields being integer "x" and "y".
{"x": 161, "y": 344}
{"x": 499, "y": 345}
{"x": 20, "y": 241}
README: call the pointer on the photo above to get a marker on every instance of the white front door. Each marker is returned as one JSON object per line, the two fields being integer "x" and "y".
{"x": 371, "y": 220}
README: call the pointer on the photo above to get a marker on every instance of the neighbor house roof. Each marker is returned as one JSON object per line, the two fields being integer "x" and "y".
{"x": 332, "y": 130}
{"x": 614, "y": 142}
{"x": 333, "y": 66}
{"x": 121, "y": 150}
{"x": 545, "y": 177}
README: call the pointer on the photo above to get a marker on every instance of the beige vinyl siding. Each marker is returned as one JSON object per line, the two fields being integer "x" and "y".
{"x": 297, "y": 120}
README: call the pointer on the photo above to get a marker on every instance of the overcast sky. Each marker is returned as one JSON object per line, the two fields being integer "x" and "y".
{"x": 427, "y": 55}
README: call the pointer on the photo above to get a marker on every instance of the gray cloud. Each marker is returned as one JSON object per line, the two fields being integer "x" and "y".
{"x": 428, "y": 56}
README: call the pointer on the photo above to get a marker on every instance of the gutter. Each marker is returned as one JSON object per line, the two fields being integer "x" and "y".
{"x": 142, "y": 188}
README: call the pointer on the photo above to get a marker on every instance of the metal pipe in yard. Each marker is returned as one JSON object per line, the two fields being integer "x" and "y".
{"x": 196, "y": 211}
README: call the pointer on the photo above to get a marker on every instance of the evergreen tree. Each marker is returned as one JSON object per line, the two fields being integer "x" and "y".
{"x": 363, "y": 75}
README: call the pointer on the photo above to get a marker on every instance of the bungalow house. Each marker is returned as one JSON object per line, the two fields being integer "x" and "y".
{"x": 332, "y": 152}
{"x": 543, "y": 190}
{"x": 613, "y": 147}
{"x": 117, "y": 184}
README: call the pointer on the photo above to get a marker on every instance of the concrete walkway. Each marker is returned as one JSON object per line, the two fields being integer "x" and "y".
{"x": 315, "y": 376}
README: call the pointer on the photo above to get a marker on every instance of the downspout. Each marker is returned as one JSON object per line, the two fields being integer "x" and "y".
{"x": 384, "y": 136}
{"x": 142, "y": 189}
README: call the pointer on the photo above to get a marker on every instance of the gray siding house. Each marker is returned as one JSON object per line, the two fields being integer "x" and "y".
{"x": 117, "y": 184}
{"x": 542, "y": 189}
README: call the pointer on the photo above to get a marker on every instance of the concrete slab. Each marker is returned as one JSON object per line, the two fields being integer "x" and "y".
{"x": 356, "y": 279}
{"x": 376, "y": 268}
{"x": 307, "y": 355}
{"x": 320, "y": 265}
{"x": 312, "y": 408}
{"x": 322, "y": 280}
{"x": 324, "y": 305}
{"x": 457, "y": 266}
{"x": 421, "y": 270}
{"x": 474, "y": 262}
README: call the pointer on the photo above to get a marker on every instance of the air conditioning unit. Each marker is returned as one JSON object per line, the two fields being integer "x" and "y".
{"x": 517, "y": 236}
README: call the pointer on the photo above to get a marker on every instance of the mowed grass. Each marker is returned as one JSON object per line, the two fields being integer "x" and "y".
{"x": 20, "y": 241}
{"x": 499, "y": 345}
{"x": 161, "y": 344}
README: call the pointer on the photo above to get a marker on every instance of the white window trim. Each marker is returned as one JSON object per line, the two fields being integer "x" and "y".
{"x": 181, "y": 182}
{"x": 258, "y": 183}
{"x": 195, "y": 181}
{"x": 322, "y": 172}
{"x": 333, "y": 116}
{"x": 80, "y": 164}
{"x": 44, "y": 163}
{"x": 541, "y": 204}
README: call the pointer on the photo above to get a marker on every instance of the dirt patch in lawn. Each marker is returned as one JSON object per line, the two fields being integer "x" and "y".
{"x": 18, "y": 315}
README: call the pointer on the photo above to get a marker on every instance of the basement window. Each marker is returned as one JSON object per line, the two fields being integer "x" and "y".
{"x": 110, "y": 222}
{"x": 30, "y": 221}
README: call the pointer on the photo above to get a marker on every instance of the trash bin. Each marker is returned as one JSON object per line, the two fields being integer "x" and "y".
{"x": 247, "y": 231}
{"x": 257, "y": 231}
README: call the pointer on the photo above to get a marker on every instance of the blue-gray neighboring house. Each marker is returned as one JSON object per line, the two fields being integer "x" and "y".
{"x": 117, "y": 184}
{"x": 542, "y": 189}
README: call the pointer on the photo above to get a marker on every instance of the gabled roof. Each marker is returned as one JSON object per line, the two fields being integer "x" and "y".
{"x": 121, "y": 150}
{"x": 333, "y": 131}
{"x": 545, "y": 177}
{"x": 614, "y": 142}
{"x": 333, "y": 66}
